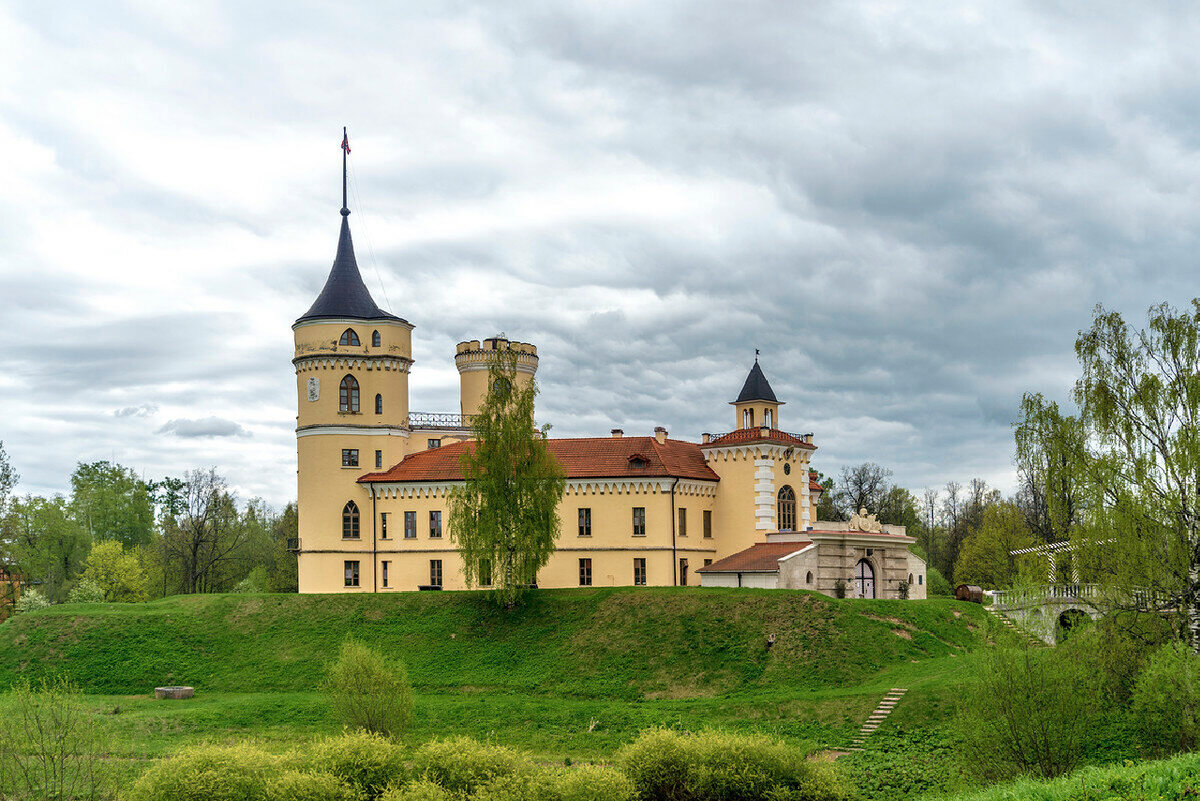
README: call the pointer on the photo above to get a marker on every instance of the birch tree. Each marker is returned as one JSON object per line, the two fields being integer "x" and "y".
{"x": 504, "y": 517}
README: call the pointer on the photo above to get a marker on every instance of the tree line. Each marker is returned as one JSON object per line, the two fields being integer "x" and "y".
{"x": 119, "y": 537}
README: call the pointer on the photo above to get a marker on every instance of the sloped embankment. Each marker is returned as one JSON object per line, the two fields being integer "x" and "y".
{"x": 599, "y": 642}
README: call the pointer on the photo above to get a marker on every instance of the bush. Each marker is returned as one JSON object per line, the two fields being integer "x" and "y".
{"x": 367, "y": 762}
{"x": 368, "y": 692}
{"x": 461, "y": 764}
{"x": 294, "y": 785}
{"x": 209, "y": 773}
{"x": 595, "y": 783}
{"x": 530, "y": 785}
{"x": 50, "y": 747}
{"x": 1028, "y": 710}
{"x": 724, "y": 766}
{"x": 255, "y": 581}
{"x": 1166, "y": 700}
{"x": 936, "y": 584}
{"x": 86, "y": 592}
{"x": 31, "y": 601}
{"x": 419, "y": 790}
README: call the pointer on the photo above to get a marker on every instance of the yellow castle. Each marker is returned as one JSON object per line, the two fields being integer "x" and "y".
{"x": 374, "y": 478}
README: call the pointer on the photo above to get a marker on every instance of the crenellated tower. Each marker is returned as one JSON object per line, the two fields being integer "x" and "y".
{"x": 352, "y": 361}
{"x": 474, "y": 358}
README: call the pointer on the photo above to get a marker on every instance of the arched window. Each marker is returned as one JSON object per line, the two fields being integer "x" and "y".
{"x": 350, "y": 521}
{"x": 910, "y": 581}
{"x": 348, "y": 394}
{"x": 748, "y": 418}
{"x": 785, "y": 509}
{"x": 864, "y": 580}
{"x": 349, "y": 338}
{"x": 376, "y": 340}
{"x": 378, "y": 404}
{"x": 808, "y": 578}
{"x": 768, "y": 418}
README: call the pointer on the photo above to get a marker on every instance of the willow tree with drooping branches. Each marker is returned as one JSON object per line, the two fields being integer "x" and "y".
{"x": 504, "y": 517}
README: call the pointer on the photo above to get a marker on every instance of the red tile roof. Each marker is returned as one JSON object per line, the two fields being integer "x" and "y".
{"x": 597, "y": 457}
{"x": 744, "y": 435}
{"x": 761, "y": 558}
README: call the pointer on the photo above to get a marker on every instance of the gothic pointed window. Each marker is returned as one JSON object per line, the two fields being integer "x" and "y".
{"x": 376, "y": 340}
{"x": 786, "y": 509}
{"x": 348, "y": 395}
{"x": 350, "y": 521}
{"x": 349, "y": 338}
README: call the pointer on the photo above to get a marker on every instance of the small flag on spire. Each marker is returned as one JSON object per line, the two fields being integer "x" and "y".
{"x": 345, "y": 141}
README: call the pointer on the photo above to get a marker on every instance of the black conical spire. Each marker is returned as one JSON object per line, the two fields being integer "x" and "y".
{"x": 756, "y": 387}
{"x": 345, "y": 295}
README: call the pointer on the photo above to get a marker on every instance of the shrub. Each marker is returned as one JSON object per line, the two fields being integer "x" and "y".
{"x": 255, "y": 581}
{"x": 209, "y": 773}
{"x": 367, "y": 762}
{"x": 294, "y": 785}
{"x": 461, "y": 764}
{"x": 724, "y": 766}
{"x": 1166, "y": 700}
{"x": 31, "y": 601}
{"x": 530, "y": 785}
{"x": 595, "y": 783}
{"x": 50, "y": 746}
{"x": 86, "y": 592}
{"x": 936, "y": 585}
{"x": 419, "y": 790}
{"x": 1028, "y": 710}
{"x": 368, "y": 692}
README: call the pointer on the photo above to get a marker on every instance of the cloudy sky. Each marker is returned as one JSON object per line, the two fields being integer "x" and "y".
{"x": 910, "y": 208}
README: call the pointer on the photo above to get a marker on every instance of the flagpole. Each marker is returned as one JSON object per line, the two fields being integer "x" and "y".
{"x": 345, "y": 138}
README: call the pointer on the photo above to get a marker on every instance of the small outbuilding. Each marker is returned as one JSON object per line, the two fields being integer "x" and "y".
{"x": 969, "y": 592}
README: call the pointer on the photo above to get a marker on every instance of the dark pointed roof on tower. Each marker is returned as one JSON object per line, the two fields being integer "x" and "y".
{"x": 345, "y": 295}
{"x": 756, "y": 387}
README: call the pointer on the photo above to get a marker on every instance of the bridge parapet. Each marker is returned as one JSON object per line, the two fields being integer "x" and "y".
{"x": 1069, "y": 594}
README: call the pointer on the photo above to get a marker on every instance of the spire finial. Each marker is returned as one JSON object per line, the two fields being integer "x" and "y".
{"x": 756, "y": 355}
{"x": 345, "y": 152}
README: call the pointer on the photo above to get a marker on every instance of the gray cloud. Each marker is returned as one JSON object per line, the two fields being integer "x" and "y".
{"x": 206, "y": 427}
{"x": 143, "y": 410}
{"x": 911, "y": 210}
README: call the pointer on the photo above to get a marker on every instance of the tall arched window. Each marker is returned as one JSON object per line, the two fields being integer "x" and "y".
{"x": 748, "y": 418}
{"x": 376, "y": 340}
{"x": 785, "y": 509}
{"x": 350, "y": 521}
{"x": 768, "y": 418}
{"x": 378, "y": 404}
{"x": 348, "y": 394}
{"x": 349, "y": 337}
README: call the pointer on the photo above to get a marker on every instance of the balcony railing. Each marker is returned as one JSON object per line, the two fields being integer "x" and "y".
{"x": 432, "y": 420}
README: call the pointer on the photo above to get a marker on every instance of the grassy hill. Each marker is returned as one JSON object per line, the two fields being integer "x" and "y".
{"x": 617, "y": 643}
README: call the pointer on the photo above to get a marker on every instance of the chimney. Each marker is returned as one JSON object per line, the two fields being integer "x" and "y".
{"x": 617, "y": 433}
{"x": 705, "y": 438}
{"x": 660, "y": 435}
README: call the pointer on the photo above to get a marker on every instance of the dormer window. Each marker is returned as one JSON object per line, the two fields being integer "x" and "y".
{"x": 349, "y": 338}
{"x": 637, "y": 461}
{"x": 376, "y": 340}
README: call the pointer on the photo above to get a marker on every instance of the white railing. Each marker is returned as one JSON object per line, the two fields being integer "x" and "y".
{"x": 1045, "y": 593}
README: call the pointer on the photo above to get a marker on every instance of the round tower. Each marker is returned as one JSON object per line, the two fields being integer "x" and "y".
{"x": 352, "y": 360}
{"x": 473, "y": 360}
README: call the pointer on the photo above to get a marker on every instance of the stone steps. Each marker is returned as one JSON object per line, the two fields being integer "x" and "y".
{"x": 885, "y": 707}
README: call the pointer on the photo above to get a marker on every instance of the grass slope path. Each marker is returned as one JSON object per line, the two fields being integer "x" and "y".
{"x": 598, "y": 642}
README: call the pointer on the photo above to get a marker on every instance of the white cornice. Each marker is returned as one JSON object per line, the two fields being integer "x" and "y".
{"x": 352, "y": 321}
{"x": 349, "y": 430}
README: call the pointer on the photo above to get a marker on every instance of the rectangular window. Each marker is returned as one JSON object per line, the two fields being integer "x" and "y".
{"x": 378, "y": 459}
{"x": 485, "y": 572}
{"x": 435, "y": 572}
{"x": 410, "y": 525}
{"x": 683, "y": 572}
{"x": 349, "y": 457}
{"x": 383, "y": 525}
{"x": 585, "y": 572}
{"x": 683, "y": 522}
{"x": 435, "y": 443}
{"x": 435, "y": 524}
{"x": 385, "y": 573}
{"x": 585, "y": 522}
{"x": 707, "y": 562}
{"x": 708, "y": 524}
{"x": 639, "y": 521}
{"x": 639, "y": 572}
{"x": 351, "y": 574}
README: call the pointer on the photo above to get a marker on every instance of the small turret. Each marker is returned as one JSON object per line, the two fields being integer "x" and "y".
{"x": 756, "y": 405}
{"x": 474, "y": 358}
